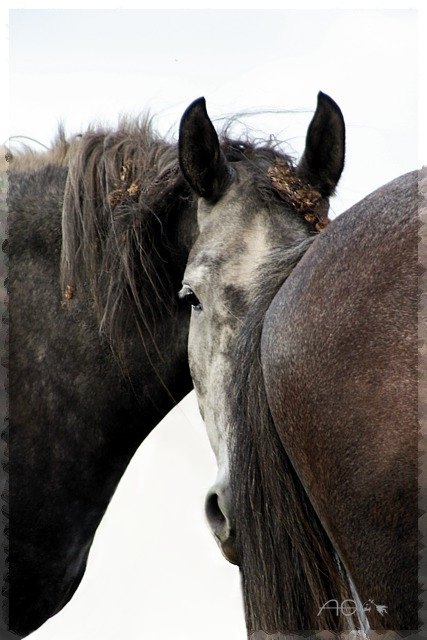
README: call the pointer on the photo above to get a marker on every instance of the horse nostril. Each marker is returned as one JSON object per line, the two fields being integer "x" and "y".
{"x": 216, "y": 518}
{"x": 220, "y": 524}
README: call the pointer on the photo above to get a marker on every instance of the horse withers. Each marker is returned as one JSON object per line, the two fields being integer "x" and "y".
{"x": 302, "y": 349}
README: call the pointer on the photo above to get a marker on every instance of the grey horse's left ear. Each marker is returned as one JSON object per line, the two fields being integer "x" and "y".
{"x": 323, "y": 159}
{"x": 200, "y": 157}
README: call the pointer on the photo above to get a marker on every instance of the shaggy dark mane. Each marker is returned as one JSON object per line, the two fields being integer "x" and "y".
{"x": 122, "y": 207}
{"x": 288, "y": 564}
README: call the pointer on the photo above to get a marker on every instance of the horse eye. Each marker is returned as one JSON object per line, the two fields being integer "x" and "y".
{"x": 190, "y": 297}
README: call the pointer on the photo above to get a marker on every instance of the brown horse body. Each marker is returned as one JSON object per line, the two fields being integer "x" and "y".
{"x": 339, "y": 357}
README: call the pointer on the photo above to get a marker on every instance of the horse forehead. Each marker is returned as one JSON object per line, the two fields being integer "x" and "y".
{"x": 228, "y": 254}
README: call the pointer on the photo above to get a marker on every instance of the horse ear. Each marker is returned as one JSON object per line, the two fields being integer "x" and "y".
{"x": 323, "y": 159}
{"x": 200, "y": 157}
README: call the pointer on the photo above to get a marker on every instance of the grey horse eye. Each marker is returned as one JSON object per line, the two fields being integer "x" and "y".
{"x": 190, "y": 297}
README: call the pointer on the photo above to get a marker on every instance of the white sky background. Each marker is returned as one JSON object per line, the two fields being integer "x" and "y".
{"x": 154, "y": 571}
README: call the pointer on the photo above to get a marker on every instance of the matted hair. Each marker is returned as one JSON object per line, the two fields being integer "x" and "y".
{"x": 122, "y": 202}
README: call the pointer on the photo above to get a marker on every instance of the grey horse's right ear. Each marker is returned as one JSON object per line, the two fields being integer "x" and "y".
{"x": 200, "y": 157}
{"x": 323, "y": 159}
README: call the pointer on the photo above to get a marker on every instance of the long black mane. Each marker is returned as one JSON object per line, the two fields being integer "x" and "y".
{"x": 288, "y": 564}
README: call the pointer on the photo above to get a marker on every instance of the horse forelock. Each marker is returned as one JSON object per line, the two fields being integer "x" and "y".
{"x": 122, "y": 205}
{"x": 288, "y": 564}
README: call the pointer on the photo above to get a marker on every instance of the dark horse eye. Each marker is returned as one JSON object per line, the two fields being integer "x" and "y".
{"x": 190, "y": 297}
